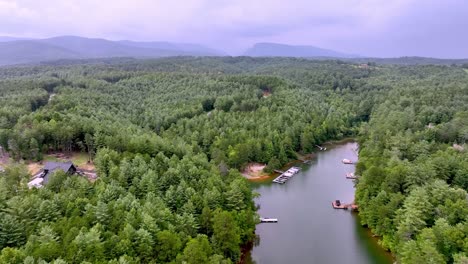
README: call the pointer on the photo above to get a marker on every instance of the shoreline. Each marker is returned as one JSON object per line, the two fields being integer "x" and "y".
{"x": 301, "y": 158}
{"x": 368, "y": 232}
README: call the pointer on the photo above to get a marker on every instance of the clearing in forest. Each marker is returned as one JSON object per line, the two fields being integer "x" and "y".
{"x": 254, "y": 171}
{"x": 79, "y": 159}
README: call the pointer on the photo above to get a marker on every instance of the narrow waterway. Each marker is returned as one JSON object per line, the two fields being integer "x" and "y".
{"x": 309, "y": 229}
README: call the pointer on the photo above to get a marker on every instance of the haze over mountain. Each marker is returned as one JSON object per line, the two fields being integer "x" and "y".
{"x": 375, "y": 28}
{"x": 24, "y": 51}
{"x": 14, "y": 51}
{"x": 8, "y": 38}
{"x": 283, "y": 50}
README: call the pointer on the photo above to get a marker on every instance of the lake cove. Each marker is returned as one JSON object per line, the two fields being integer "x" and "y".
{"x": 309, "y": 230}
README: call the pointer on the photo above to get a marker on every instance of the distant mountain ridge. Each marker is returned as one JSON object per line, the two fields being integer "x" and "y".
{"x": 7, "y": 38}
{"x": 14, "y": 51}
{"x": 266, "y": 49}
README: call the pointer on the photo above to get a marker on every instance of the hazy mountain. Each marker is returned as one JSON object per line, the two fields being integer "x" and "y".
{"x": 25, "y": 51}
{"x": 283, "y": 50}
{"x": 194, "y": 49}
{"x": 6, "y": 38}
{"x": 72, "y": 47}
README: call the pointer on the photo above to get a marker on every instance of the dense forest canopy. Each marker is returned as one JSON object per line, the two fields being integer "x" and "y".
{"x": 169, "y": 136}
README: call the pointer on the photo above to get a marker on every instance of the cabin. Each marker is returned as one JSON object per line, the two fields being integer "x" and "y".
{"x": 49, "y": 169}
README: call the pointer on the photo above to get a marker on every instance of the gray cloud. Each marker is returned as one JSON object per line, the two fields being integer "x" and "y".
{"x": 367, "y": 27}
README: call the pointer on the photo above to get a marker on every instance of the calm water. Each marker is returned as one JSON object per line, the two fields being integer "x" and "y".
{"x": 309, "y": 229}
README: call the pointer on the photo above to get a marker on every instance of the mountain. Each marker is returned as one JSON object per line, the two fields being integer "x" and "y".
{"x": 72, "y": 47}
{"x": 23, "y": 52}
{"x": 283, "y": 50}
{"x": 6, "y": 38}
{"x": 194, "y": 49}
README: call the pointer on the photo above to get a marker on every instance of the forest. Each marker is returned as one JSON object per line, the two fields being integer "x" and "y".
{"x": 169, "y": 136}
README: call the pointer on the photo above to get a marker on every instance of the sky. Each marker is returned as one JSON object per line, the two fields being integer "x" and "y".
{"x": 379, "y": 28}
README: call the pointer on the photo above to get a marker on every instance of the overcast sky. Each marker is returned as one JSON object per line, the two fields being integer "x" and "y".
{"x": 384, "y": 28}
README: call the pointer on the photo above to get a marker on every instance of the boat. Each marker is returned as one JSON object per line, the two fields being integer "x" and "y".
{"x": 350, "y": 175}
{"x": 347, "y": 161}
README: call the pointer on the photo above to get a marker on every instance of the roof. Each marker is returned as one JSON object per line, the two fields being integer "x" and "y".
{"x": 52, "y": 166}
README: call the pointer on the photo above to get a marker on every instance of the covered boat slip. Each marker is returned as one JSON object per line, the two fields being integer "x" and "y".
{"x": 286, "y": 175}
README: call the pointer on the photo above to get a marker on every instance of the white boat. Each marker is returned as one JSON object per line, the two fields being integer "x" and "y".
{"x": 347, "y": 161}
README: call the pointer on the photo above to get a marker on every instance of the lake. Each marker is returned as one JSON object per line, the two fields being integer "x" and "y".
{"x": 309, "y": 230}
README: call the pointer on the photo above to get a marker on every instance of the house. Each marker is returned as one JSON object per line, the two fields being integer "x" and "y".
{"x": 49, "y": 169}
{"x": 35, "y": 183}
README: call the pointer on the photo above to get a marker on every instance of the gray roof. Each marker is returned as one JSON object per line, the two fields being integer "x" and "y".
{"x": 51, "y": 166}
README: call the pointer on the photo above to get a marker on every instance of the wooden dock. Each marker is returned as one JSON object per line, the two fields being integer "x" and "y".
{"x": 321, "y": 148}
{"x": 338, "y": 205}
{"x": 286, "y": 175}
{"x": 351, "y": 175}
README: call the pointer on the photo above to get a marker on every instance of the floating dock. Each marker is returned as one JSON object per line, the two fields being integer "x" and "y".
{"x": 338, "y": 205}
{"x": 268, "y": 220}
{"x": 351, "y": 175}
{"x": 347, "y": 161}
{"x": 286, "y": 175}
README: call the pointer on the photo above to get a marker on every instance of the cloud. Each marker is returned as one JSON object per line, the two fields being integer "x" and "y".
{"x": 369, "y": 27}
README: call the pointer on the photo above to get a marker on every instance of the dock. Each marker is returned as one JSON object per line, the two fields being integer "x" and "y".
{"x": 338, "y": 205}
{"x": 351, "y": 175}
{"x": 320, "y": 147}
{"x": 268, "y": 220}
{"x": 286, "y": 175}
